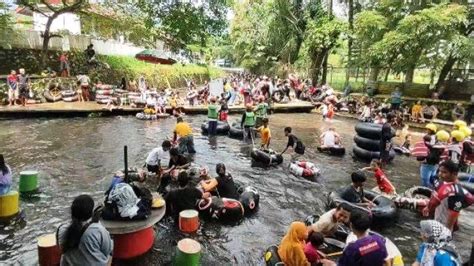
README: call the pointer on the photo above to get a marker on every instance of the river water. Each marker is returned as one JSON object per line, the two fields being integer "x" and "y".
{"x": 75, "y": 156}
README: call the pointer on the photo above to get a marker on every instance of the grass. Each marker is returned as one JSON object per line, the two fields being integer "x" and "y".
{"x": 159, "y": 75}
{"x": 337, "y": 77}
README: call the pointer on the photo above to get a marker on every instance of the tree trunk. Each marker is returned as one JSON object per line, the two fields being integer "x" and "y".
{"x": 330, "y": 7}
{"x": 386, "y": 75}
{"x": 325, "y": 68}
{"x": 350, "y": 3}
{"x": 46, "y": 38}
{"x": 316, "y": 61}
{"x": 374, "y": 74}
{"x": 409, "y": 75}
{"x": 444, "y": 73}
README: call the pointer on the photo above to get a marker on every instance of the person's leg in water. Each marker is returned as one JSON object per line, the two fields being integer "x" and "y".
{"x": 182, "y": 145}
{"x": 212, "y": 128}
{"x": 246, "y": 134}
{"x": 164, "y": 182}
{"x": 190, "y": 145}
{"x": 426, "y": 171}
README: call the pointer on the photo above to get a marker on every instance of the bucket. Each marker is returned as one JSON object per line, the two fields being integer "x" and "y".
{"x": 49, "y": 253}
{"x": 28, "y": 181}
{"x": 9, "y": 204}
{"x": 188, "y": 253}
{"x": 188, "y": 221}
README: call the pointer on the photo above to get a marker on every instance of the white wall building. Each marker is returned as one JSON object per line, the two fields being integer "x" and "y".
{"x": 65, "y": 22}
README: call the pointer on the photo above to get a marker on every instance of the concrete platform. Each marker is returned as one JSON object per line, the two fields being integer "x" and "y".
{"x": 84, "y": 109}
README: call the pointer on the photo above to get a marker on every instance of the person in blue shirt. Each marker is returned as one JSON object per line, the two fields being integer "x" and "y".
{"x": 396, "y": 99}
{"x": 436, "y": 249}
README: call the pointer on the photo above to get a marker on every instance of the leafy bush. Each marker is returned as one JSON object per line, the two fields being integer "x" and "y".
{"x": 156, "y": 75}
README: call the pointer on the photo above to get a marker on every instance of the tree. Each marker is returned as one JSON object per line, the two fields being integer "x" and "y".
{"x": 51, "y": 12}
{"x": 321, "y": 36}
{"x": 249, "y": 35}
{"x": 6, "y": 25}
{"x": 184, "y": 22}
{"x": 370, "y": 27}
{"x": 460, "y": 47}
{"x": 110, "y": 21}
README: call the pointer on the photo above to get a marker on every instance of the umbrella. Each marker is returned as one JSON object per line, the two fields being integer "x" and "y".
{"x": 155, "y": 56}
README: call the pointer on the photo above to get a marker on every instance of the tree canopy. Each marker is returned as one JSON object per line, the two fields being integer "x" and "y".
{"x": 393, "y": 36}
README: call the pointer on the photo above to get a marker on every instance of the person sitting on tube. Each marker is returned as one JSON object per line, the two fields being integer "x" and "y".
{"x": 223, "y": 184}
{"x": 355, "y": 192}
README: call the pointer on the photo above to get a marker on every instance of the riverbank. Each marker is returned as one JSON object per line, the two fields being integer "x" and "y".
{"x": 84, "y": 109}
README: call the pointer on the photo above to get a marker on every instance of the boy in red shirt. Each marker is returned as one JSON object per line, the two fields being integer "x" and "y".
{"x": 384, "y": 186}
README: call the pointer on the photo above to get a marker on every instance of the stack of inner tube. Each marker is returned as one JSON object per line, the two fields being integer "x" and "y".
{"x": 266, "y": 157}
{"x": 104, "y": 93}
{"x": 384, "y": 212}
{"x": 222, "y": 128}
{"x": 367, "y": 141}
{"x": 135, "y": 97}
{"x": 69, "y": 96}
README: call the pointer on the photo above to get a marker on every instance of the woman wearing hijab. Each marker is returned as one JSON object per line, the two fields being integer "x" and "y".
{"x": 291, "y": 250}
{"x": 436, "y": 249}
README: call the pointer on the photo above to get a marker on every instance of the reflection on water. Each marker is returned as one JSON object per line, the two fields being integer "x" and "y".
{"x": 75, "y": 156}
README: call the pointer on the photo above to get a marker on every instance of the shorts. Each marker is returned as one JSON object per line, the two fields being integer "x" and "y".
{"x": 13, "y": 94}
{"x": 153, "y": 168}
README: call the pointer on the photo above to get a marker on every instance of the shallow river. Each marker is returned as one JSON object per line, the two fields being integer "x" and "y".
{"x": 76, "y": 156}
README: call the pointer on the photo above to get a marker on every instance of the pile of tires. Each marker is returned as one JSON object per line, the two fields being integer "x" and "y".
{"x": 69, "y": 96}
{"x": 104, "y": 93}
{"x": 367, "y": 141}
{"x": 136, "y": 98}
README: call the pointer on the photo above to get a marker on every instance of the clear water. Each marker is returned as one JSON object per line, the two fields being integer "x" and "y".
{"x": 75, "y": 156}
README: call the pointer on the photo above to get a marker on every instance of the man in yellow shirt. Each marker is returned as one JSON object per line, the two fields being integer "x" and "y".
{"x": 185, "y": 133}
{"x": 265, "y": 134}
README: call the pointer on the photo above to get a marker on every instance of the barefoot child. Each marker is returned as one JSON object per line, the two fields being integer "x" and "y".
{"x": 265, "y": 134}
{"x": 384, "y": 186}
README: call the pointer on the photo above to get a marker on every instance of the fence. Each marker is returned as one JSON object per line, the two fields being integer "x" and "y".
{"x": 459, "y": 84}
{"x": 33, "y": 40}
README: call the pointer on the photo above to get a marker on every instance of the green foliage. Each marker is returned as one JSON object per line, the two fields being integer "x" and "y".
{"x": 249, "y": 31}
{"x": 110, "y": 22}
{"x": 323, "y": 34}
{"x": 183, "y": 22}
{"x": 158, "y": 75}
{"x": 6, "y": 24}
{"x": 418, "y": 33}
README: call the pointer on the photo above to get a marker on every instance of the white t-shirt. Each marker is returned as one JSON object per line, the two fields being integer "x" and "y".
{"x": 151, "y": 101}
{"x": 324, "y": 109}
{"x": 325, "y": 224}
{"x": 366, "y": 112}
{"x": 161, "y": 101}
{"x": 329, "y": 139}
{"x": 155, "y": 156}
